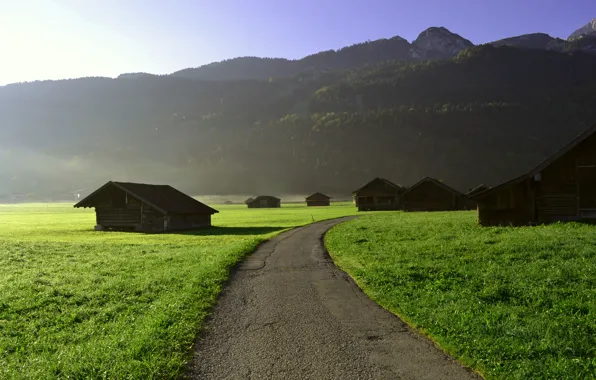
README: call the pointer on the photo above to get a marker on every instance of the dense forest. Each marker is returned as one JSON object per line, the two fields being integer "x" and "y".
{"x": 483, "y": 116}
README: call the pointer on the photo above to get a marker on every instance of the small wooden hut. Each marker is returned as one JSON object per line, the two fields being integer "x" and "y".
{"x": 318, "y": 199}
{"x": 561, "y": 188}
{"x": 429, "y": 194}
{"x": 472, "y": 205}
{"x": 126, "y": 206}
{"x": 264, "y": 201}
{"x": 379, "y": 194}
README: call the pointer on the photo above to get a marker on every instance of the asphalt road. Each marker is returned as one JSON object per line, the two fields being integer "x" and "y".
{"x": 289, "y": 313}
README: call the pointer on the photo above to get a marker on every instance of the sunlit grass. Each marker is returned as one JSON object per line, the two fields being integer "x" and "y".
{"x": 77, "y": 303}
{"x": 515, "y": 303}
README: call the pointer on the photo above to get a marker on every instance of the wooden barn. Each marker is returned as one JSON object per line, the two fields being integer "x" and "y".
{"x": 264, "y": 201}
{"x": 378, "y": 195}
{"x": 126, "y": 206}
{"x": 318, "y": 199}
{"x": 429, "y": 194}
{"x": 476, "y": 190}
{"x": 561, "y": 188}
{"x": 472, "y": 205}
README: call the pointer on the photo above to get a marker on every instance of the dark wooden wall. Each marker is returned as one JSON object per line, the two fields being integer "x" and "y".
{"x": 429, "y": 196}
{"x": 378, "y": 196}
{"x": 318, "y": 203}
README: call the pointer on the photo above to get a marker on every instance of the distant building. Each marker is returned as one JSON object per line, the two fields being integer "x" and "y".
{"x": 561, "y": 188}
{"x": 318, "y": 199}
{"x": 472, "y": 205}
{"x": 126, "y": 206}
{"x": 476, "y": 190}
{"x": 429, "y": 194}
{"x": 378, "y": 195}
{"x": 264, "y": 201}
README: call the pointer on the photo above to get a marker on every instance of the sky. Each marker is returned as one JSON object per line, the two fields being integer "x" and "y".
{"x": 58, "y": 39}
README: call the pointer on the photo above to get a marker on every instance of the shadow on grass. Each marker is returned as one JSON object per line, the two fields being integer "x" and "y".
{"x": 218, "y": 231}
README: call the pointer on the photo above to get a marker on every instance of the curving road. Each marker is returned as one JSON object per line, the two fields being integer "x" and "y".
{"x": 289, "y": 313}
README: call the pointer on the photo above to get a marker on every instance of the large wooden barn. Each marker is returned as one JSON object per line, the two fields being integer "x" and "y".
{"x": 429, "y": 194}
{"x": 561, "y": 188}
{"x": 126, "y": 206}
{"x": 379, "y": 194}
{"x": 264, "y": 201}
{"x": 318, "y": 199}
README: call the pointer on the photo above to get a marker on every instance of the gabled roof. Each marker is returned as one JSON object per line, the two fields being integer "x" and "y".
{"x": 383, "y": 180}
{"x": 318, "y": 195}
{"x": 477, "y": 189}
{"x": 163, "y": 198}
{"x": 541, "y": 166}
{"x": 260, "y": 197}
{"x": 434, "y": 181}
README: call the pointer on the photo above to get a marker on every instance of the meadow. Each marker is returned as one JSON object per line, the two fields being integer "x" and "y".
{"x": 77, "y": 303}
{"x": 512, "y": 303}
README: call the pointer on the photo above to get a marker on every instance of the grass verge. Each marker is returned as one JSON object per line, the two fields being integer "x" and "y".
{"x": 513, "y": 303}
{"x": 76, "y": 303}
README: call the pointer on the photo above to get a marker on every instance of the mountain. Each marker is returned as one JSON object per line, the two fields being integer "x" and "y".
{"x": 481, "y": 117}
{"x": 438, "y": 43}
{"x": 433, "y": 43}
{"x": 533, "y": 41}
{"x": 586, "y": 30}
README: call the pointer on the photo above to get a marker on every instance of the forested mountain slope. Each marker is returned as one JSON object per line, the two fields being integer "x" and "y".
{"x": 489, "y": 113}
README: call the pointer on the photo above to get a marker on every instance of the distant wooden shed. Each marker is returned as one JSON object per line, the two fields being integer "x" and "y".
{"x": 561, "y": 188}
{"x": 264, "y": 201}
{"x": 472, "y": 205}
{"x": 126, "y": 206}
{"x": 318, "y": 199}
{"x": 379, "y": 194}
{"x": 430, "y": 194}
{"x": 476, "y": 190}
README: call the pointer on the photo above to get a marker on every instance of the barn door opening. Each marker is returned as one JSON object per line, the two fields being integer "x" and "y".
{"x": 586, "y": 180}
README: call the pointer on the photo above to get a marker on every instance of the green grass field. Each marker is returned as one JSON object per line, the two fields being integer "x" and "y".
{"x": 513, "y": 303}
{"x": 76, "y": 303}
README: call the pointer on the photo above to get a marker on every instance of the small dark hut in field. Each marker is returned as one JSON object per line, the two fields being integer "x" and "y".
{"x": 264, "y": 201}
{"x": 126, "y": 206}
{"x": 318, "y": 199}
{"x": 472, "y": 205}
{"x": 378, "y": 195}
{"x": 561, "y": 188}
{"x": 429, "y": 194}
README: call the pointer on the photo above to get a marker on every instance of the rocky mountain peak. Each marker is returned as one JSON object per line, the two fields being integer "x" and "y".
{"x": 532, "y": 41}
{"x": 588, "y": 29}
{"x": 439, "y": 42}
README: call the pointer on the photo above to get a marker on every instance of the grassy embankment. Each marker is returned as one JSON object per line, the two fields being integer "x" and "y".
{"x": 514, "y": 303}
{"x": 76, "y": 303}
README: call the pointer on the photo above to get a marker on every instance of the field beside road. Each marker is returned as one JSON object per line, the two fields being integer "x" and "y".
{"x": 513, "y": 303}
{"x": 77, "y": 303}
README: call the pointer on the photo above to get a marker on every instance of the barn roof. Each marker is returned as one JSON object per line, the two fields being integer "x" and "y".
{"x": 383, "y": 180}
{"x": 434, "y": 181}
{"x": 477, "y": 189}
{"x": 264, "y": 197}
{"x": 163, "y": 198}
{"x": 318, "y": 195}
{"x": 541, "y": 166}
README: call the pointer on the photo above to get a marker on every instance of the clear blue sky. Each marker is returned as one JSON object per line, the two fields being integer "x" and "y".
{"x": 52, "y": 39}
